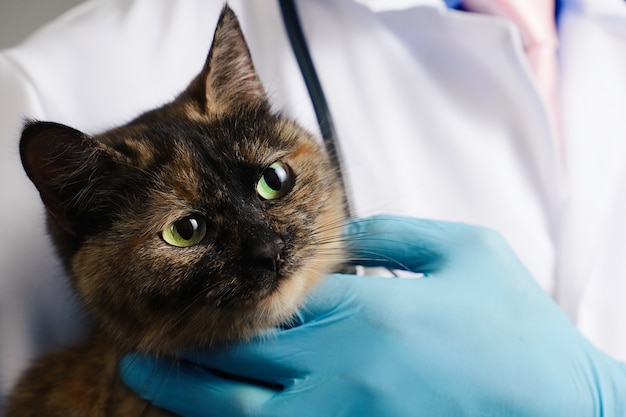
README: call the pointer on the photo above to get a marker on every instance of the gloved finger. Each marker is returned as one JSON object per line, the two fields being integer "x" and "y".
{"x": 190, "y": 390}
{"x": 416, "y": 245}
{"x": 264, "y": 361}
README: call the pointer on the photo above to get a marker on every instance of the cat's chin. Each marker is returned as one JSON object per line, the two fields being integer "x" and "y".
{"x": 279, "y": 305}
{"x": 274, "y": 308}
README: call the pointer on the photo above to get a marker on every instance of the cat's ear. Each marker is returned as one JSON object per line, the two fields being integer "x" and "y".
{"x": 64, "y": 164}
{"x": 228, "y": 77}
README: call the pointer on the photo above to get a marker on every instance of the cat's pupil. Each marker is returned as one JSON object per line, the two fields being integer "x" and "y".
{"x": 274, "y": 182}
{"x": 185, "y": 232}
{"x": 186, "y": 227}
{"x": 273, "y": 179}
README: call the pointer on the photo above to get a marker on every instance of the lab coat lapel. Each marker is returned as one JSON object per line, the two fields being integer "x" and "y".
{"x": 493, "y": 57}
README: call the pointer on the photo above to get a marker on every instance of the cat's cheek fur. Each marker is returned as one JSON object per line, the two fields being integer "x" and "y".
{"x": 283, "y": 303}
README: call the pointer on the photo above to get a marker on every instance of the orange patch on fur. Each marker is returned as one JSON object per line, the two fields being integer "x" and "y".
{"x": 304, "y": 150}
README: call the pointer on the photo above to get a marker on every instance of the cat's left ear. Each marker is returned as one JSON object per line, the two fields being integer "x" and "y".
{"x": 228, "y": 78}
{"x": 68, "y": 168}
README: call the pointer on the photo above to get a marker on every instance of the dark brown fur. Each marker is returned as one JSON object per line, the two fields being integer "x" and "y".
{"x": 110, "y": 196}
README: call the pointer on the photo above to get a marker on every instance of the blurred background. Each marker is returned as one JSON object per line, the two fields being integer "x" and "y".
{"x": 19, "y": 18}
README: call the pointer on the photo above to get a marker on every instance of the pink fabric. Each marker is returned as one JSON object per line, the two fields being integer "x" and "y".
{"x": 535, "y": 20}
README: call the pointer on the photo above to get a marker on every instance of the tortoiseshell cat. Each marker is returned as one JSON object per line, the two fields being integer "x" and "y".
{"x": 198, "y": 223}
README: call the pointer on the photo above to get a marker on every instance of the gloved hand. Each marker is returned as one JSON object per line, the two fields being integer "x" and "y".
{"x": 475, "y": 337}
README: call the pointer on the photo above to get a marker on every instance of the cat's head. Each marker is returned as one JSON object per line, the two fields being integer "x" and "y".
{"x": 197, "y": 223}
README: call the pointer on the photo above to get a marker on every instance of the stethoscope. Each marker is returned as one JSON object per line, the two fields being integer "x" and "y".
{"x": 322, "y": 112}
{"x": 320, "y": 105}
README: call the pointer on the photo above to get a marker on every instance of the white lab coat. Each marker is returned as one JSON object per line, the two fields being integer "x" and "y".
{"x": 436, "y": 110}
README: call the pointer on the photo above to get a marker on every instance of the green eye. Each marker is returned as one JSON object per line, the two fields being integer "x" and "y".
{"x": 185, "y": 232}
{"x": 275, "y": 181}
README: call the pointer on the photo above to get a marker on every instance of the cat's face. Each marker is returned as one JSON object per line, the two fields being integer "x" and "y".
{"x": 199, "y": 222}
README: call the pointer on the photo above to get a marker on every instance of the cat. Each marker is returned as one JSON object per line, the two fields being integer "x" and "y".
{"x": 198, "y": 223}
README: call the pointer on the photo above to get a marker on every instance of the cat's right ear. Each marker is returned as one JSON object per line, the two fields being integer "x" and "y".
{"x": 228, "y": 78}
{"x": 63, "y": 163}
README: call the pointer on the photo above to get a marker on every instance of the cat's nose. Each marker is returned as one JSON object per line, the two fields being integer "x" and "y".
{"x": 264, "y": 250}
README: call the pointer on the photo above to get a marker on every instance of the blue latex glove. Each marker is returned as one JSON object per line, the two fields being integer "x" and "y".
{"x": 476, "y": 337}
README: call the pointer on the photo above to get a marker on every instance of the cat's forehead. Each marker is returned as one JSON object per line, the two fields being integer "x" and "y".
{"x": 149, "y": 145}
{"x": 191, "y": 157}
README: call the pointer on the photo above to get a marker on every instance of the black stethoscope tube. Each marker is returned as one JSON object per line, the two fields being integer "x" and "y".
{"x": 322, "y": 112}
